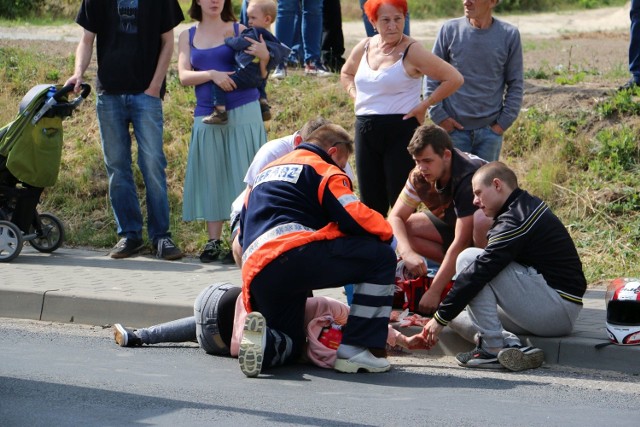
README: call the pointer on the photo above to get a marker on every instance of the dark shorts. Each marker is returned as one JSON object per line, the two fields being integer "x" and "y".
{"x": 214, "y": 311}
{"x": 447, "y": 232}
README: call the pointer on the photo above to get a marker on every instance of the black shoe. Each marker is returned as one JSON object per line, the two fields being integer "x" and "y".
{"x": 166, "y": 249}
{"x": 126, "y": 247}
{"x": 218, "y": 117}
{"x": 125, "y": 337}
{"x": 332, "y": 61}
{"x": 228, "y": 258}
{"x": 519, "y": 358}
{"x": 478, "y": 358}
{"x": 265, "y": 109}
{"x": 630, "y": 85}
{"x": 212, "y": 251}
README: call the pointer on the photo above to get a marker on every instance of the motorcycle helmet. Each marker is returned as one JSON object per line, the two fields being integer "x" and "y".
{"x": 623, "y": 311}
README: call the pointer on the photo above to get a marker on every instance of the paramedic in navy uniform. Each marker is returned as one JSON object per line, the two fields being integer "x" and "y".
{"x": 303, "y": 228}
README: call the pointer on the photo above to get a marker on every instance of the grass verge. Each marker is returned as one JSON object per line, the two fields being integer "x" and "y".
{"x": 583, "y": 161}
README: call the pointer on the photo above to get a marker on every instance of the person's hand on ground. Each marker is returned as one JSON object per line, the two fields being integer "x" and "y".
{"x": 414, "y": 342}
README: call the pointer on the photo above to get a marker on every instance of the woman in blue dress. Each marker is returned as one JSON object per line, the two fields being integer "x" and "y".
{"x": 218, "y": 155}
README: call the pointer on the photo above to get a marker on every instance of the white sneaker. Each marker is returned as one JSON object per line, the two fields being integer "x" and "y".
{"x": 254, "y": 340}
{"x": 364, "y": 361}
{"x": 280, "y": 72}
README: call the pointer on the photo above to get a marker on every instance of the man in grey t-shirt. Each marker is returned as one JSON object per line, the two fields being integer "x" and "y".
{"x": 488, "y": 53}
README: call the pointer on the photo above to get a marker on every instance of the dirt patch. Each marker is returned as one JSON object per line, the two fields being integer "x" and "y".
{"x": 59, "y": 48}
{"x": 597, "y": 54}
{"x": 600, "y": 58}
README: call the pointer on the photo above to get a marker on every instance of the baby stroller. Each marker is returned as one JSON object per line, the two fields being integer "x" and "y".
{"x": 30, "y": 153}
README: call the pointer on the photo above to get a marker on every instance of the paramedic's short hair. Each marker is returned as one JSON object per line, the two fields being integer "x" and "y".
{"x": 313, "y": 124}
{"x": 331, "y": 135}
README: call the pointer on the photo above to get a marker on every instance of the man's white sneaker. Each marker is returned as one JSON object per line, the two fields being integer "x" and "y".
{"x": 254, "y": 340}
{"x": 363, "y": 361}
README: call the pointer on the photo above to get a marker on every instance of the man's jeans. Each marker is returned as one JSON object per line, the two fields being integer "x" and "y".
{"x": 311, "y": 25}
{"x": 634, "y": 43}
{"x": 144, "y": 112}
{"x": 483, "y": 142}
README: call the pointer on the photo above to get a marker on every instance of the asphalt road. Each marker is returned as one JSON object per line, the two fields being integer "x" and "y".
{"x": 65, "y": 374}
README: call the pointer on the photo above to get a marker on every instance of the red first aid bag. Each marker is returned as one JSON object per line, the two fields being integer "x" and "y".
{"x": 414, "y": 289}
{"x": 409, "y": 290}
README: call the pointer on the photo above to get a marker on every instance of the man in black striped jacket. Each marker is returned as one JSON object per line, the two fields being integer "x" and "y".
{"x": 528, "y": 279}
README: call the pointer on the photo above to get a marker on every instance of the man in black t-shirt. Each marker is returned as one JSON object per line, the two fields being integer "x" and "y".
{"x": 441, "y": 181}
{"x": 134, "y": 45}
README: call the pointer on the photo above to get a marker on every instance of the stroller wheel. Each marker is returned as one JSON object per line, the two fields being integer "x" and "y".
{"x": 51, "y": 236}
{"x": 10, "y": 241}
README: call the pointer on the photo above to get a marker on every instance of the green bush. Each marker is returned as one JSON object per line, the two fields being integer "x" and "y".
{"x": 528, "y": 5}
{"x": 12, "y": 9}
{"x": 616, "y": 151}
{"x": 624, "y": 102}
{"x": 420, "y": 9}
{"x": 47, "y": 9}
{"x": 50, "y": 10}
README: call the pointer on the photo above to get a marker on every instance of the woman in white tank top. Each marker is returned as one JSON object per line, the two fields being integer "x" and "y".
{"x": 383, "y": 74}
